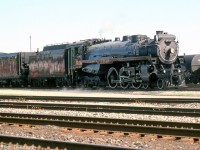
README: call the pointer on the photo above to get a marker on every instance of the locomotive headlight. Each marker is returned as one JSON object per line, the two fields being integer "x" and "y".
{"x": 172, "y": 50}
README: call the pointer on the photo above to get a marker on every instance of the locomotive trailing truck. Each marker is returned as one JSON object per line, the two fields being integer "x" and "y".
{"x": 135, "y": 61}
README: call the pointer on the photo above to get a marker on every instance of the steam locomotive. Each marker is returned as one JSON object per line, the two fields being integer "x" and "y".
{"x": 135, "y": 61}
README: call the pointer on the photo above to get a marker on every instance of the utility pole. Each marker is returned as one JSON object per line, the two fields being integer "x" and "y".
{"x": 30, "y": 43}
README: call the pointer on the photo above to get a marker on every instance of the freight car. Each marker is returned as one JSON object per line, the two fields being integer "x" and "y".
{"x": 191, "y": 66}
{"x": 136, "y": 61}
{"x": 14, "y": 68}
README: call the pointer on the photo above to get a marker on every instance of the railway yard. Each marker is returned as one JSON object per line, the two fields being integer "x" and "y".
{"x": 99, "y": 79}
{"x": 99, "y": 119}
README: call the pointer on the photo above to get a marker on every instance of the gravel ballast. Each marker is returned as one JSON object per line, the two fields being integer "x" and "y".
{"x": 104, "y": 115}
{"x": 59, "y": 133}
{"x": 135, "y": 141}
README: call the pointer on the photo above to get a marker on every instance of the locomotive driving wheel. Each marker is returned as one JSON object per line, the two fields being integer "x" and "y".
{"x": 136, "y": 84}
{"x": 112, "y": 78}
{"x": 145, "y": 85}
{"x": 160, "y": 84}
{"x": 124, "y": 76}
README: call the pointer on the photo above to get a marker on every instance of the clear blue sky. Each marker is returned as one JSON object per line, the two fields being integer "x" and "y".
{"x": 57, "y": 21}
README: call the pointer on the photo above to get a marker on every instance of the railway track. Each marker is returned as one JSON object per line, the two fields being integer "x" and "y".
{"x": 104, "y": 99}
{"x": 44, "y": 143}
{"x": 126, "y": 127}
{"x": 104, "y": 108}
{"x": 176, "y": 129}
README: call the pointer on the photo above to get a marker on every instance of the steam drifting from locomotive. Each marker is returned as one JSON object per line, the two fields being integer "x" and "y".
{"x": 107, "y": 28}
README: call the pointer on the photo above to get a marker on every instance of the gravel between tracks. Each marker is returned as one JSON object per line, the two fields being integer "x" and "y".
{"x": 104, "y": 115}
{"x": 139, "y": 104}
{"x": 100, "y": 93}
{"x": 135, "y": 142}
{"x": 56, "y": 133}
{"x": 53, "y": 132}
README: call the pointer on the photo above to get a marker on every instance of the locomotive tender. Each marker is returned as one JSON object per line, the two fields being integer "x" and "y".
{"x": 135, "y": 61}
{"x": 59, "y": 65}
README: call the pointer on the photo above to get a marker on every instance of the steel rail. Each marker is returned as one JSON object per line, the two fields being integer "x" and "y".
{"x": 140, "y": 126}
{"x": 104, "y": 108}
{"x": 105, "y": 99}
{"x": 58, "y": 144}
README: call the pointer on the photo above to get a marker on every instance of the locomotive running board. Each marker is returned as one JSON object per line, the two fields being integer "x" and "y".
{"x": 110, "y": 60}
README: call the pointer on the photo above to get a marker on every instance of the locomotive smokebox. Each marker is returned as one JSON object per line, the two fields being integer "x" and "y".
{"x": 167, "y": 47}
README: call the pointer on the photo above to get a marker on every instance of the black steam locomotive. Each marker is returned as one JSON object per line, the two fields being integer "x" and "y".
{"x": 135, "y": 61}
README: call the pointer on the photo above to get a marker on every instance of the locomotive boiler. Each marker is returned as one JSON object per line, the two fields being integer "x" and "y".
{"x": 136, "y": 61}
